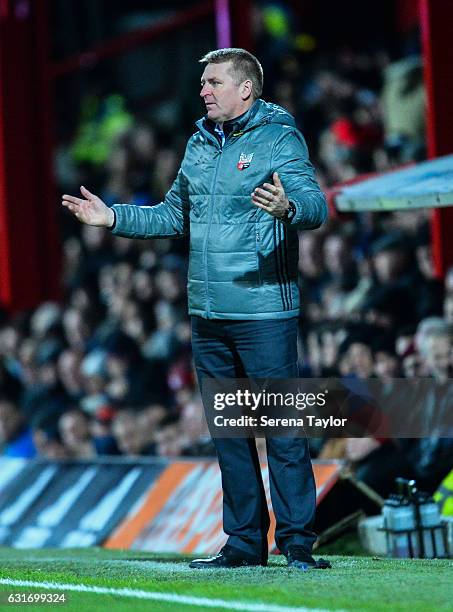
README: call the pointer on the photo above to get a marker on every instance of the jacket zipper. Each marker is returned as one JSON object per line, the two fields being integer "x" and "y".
{"x": 211, "y": 212}
{"x": 208, "y": 230}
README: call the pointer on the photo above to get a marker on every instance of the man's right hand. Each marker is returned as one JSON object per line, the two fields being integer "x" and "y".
{"x": 90, "y": 210}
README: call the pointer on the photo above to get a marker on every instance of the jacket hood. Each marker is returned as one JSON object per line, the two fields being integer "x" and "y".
{"x": 259, "y": 113}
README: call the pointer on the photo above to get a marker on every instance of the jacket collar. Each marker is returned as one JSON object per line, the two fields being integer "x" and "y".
{"x": 233, "y": 125}
{"x": 239, "y": 123}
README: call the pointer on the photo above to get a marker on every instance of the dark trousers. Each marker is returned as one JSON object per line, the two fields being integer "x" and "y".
{"x": 258, "y": 349}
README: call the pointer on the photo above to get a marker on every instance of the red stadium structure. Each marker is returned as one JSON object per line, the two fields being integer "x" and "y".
{"x": 29, "y": 233}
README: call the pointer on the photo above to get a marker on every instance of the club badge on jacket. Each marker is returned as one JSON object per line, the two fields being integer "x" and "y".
{"x": 245, "y": 159}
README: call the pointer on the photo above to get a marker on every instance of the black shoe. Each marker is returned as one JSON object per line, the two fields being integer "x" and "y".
{"x": 299, "y": 558}
{"x": 229, "y": 556}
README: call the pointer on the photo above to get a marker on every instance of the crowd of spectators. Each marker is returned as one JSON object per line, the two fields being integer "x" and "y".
{"x": 109, "y": 369}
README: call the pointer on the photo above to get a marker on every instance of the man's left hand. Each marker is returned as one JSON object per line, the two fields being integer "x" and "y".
{"x": 271, "y": 198}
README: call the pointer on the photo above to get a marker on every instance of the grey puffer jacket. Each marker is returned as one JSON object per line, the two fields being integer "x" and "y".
{"x": 243, "y": 262}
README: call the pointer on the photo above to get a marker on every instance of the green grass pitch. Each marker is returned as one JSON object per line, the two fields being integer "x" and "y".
{"x": 354, "y": 583}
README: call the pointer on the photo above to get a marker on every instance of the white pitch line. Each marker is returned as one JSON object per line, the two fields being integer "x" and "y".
{"x": 156, "y": 596}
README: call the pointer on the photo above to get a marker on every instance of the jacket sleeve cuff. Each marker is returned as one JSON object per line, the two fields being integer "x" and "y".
{"x": 296, "y": 215}
{"x": 112, "y": 227}
{"x": 311, "y": 213}
{"x": 118, "y": 227}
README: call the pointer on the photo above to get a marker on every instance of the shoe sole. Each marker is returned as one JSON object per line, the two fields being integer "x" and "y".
{"x": 305, "y": 567}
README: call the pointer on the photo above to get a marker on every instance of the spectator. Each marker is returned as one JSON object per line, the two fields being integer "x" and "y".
{"x": 169, "y": 438}
{"x": 69, "y": 373}
{"x": 197, "y": 441}
{"x": 15, "y": 435}
{"x": 131, "y": 438}
{"x": 75, "y": 434}
{"x": 48, "y": 443}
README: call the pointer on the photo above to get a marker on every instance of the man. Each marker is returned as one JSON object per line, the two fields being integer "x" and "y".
{"x": 244, "y": 188}
{"x": 74, "y": 429}
{"x": 15, "y": 436}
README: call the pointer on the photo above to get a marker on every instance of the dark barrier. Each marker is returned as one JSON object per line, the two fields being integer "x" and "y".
{"x": 68, "y": 504}
{"x": 144, "y": 504}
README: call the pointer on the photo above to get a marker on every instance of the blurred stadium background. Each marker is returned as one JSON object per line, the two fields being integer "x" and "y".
{"x": 102, "y": 440}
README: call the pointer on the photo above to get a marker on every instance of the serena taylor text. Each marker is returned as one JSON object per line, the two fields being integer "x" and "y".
{"x": 309, "y": 420}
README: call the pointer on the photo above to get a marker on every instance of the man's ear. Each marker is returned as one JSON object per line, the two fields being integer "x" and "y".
{"x": 246, "y": 89}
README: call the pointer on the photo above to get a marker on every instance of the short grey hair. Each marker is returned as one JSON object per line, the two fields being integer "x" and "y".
{"x": 245, "y": 66}
{"x": 430, "y": 327}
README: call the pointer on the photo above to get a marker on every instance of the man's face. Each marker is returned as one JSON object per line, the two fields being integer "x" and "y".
{"x": 389, "y": 264}
{"x": 335, "y": 254}
{"x": 222, "y": 97}
{"x": 438, "y": 357}
{"x": 74, "y": 429}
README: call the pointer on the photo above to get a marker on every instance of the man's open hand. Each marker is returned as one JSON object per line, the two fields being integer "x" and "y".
{"x": 271, "y": 198}
{"x": 90, "y": 210}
